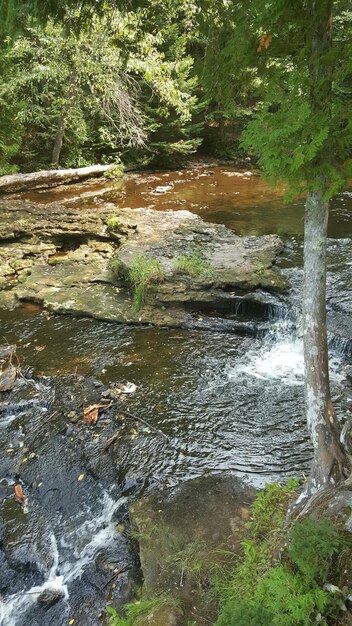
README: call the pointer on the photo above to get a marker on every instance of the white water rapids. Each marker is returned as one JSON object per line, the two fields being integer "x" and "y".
{"x": 80, "y": 547}
{"x": 281, "y": 359}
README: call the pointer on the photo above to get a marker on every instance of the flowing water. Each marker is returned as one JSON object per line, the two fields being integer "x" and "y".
{"x": 225, "y": 402}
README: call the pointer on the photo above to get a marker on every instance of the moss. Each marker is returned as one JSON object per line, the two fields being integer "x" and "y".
{"x": 114, "y": 224}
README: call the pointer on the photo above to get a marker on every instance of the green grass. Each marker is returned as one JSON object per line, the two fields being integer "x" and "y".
{"x": 144, "y": 272}
{"x": 194, "y": 264}
{"x": 136, "y": 613}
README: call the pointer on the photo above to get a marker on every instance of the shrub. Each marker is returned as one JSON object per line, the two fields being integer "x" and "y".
{"x": 312, "y": 546}
{"x": 114, "y": 223}
{"x": 243, "y": 614}
{"x": 291, "y": 598}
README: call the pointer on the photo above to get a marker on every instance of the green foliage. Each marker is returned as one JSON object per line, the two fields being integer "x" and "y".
{"x": 244, "y": 614}
{"x": 115, "y": 265}
{"x": 110, "y": 84}
{"x": 194, "y": 265}
{"x": 264, "y": 535}
{"x": 114, "y": 224}
{"x": 270, "y": 507}
{"x": 144, "y": 272}
{"x": 137, "y": 612}
{"x": 301, "y": 130}
{"x": 116, "y": 170}
{"x": 312, "y": 546}
{"x": 277, "y": 593}
{"x": 292, "y": 599}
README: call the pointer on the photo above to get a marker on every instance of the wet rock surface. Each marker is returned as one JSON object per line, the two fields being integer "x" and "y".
{"x": 65, "y": 551}
{"x": 59, "y": 255}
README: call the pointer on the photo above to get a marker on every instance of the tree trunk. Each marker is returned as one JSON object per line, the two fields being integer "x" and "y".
{"x": 61, "y": 125}
{"x": 49, "y": 178}
{"x": 329, "y": 461}
{"x": 59, "y": 137}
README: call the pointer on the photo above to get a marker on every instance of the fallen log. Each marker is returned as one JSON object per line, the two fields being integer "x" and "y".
{"x": 49, "y": 178}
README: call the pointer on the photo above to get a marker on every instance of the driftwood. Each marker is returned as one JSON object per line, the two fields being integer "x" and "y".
{"x": 48, "y": 178}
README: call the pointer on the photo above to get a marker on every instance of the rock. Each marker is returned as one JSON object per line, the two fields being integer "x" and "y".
{"x": 227, "y": 261}
{"x": 60, "y": 255}
{"x": 164, "y": 616}
{"x": 198, "y": 523}
{"x": 50, "y": 596}
{"x": 163, "y": 188}
{"x": 8, "y": 378}
{"x": 6, "y": 351}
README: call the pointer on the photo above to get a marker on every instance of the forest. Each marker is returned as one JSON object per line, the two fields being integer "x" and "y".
{"x": 175, "y": 304}
{"x": 147, "y": 86}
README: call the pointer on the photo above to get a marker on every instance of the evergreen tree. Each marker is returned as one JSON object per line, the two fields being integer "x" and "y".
{"x": 302, "y": 133}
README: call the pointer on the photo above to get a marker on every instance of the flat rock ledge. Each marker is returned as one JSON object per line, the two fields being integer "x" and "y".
{"x": 78, "y": 260}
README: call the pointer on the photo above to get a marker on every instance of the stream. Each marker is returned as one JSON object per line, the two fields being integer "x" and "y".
{"x": 213, "y": 402}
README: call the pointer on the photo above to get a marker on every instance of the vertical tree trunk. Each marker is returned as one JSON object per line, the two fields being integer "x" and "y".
{"x": 329, "y": 460}
{"x": 59, "y": 137}
{"x": 61, "y": 125}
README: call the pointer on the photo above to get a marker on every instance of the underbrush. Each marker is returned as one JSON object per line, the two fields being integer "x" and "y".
{"x": 281, "y": 579}
{"x": 284, "y": 576}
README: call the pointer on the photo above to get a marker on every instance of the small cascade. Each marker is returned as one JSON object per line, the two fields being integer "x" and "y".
{"x": 280, "y": 357}
{"x": 71, "y": 554}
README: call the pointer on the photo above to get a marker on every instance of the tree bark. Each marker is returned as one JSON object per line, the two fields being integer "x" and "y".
{"x": 49, "y": 178}
{"x": 61, "y": 125}
{"x": 59, "y": 137}
{"x": 329, "y": 461}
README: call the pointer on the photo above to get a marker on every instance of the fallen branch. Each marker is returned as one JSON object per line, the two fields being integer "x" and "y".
{"x": 140, "y": 419}
{"x": 49, "y": 178}
{"x": 115, "y": 575}
{"x": 112, "y": 440}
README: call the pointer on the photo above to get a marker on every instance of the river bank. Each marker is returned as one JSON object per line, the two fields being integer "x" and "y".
{"x": 214, "y": 403}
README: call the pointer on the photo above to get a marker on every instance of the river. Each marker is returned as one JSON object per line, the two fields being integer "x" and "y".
{"x": 226, "y": 403}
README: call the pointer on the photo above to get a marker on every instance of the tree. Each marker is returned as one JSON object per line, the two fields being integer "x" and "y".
{"x": 302, "y": 134}
{"x": 97, "y": 91}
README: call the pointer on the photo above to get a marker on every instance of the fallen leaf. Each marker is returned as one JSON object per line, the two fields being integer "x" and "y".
{"x": 80, "y": 477}
{"x": 72, "y": 621}
{"x": 19, "y": 493}
{"x": 90, "y": 413}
